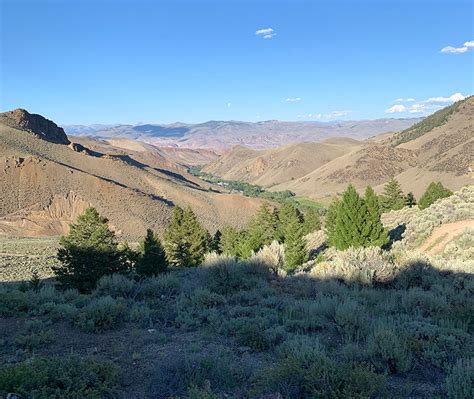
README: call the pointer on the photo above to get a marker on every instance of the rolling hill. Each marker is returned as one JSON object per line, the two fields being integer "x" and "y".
{"x": 46, "y": 180}
{"x": 440, "y": 147}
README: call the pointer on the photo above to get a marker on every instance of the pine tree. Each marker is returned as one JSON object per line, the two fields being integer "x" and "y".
{"x": 392, "y": 197}
{"x": 185, "y": 239}
{"x": 312, "y": 221}
{"x": 330, "y": 221}
{"x": 152, "y": 257}
{"x": 351, "y": 220}
{"x": 286, "y": 214}
{"x": 374, "y": 231}
{"x": 88, "y": 252}
{"x": 434, "y": 192}
{"x": 295, "y": 244}
{"x": 262, "y": 228}
{"x": 410, "y": 200}
{"x": 215, "y": 242}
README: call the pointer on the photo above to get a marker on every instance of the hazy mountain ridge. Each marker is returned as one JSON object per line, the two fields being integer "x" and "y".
{"x": 222, "y": 135}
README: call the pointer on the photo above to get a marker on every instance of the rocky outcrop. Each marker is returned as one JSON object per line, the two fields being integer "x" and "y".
{"x": 35, "y": 124}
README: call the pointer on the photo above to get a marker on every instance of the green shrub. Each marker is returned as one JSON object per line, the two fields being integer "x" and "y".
{"x": 175, "y": 375}
{"x": 255, "y": 333}
{"x": 12, "y": 302}
{"x": 351, "y": 319}
{"x": 56, "y": 377}
{"x": 163, "y": 286}
{"x": 199, "y": 307}
{"x": 304, "y": 371}
{"x": 35, "y": 335}
{"x": 460, "y": 380}
{"x": 101, "y": 314}
{"x": 58, "y": 311}
{"x": 140, "y": 314}
{"x": 388, "y": 351}
{"x": 117, "y": 286}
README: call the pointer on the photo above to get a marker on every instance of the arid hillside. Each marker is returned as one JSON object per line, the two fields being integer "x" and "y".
{"x": 280, "y": 165}
{"x": 440, "y": 147}
{"x": 45, "y": 181}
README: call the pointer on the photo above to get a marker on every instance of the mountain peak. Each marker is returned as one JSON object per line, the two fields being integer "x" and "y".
{"x": 38, "y": 125}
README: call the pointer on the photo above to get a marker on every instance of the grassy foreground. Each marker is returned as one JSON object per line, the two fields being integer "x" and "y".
{"x": 234, "y": 329}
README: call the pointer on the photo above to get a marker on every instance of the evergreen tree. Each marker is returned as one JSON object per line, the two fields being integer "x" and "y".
{"x": 230, "y": 241}
{"x": 88, "y": 252}
{"x": 185, "y": 239}
{"x": 330, "y": 221}
{"x": 262, "y": 228}
{"x": 152, "y": 257}
{"x": 410, "y": 200}
{"x": 312, "y": 221}
{"x": 392, "y": 197}
{"x": 434, "y": 192}
{"x": 286, "y": 214}
{"x": 374, "y": 231}
{"x": 295, "y": 244}
{"x": 215, "y": 242}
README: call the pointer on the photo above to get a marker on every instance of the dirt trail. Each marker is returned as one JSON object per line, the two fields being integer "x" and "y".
{"x": 443, "y": 234}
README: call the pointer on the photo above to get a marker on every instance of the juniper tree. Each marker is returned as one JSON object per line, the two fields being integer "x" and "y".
{"x": 312, "y": 221}
{"x": 185, "y": 239}
{"x": 434, "y": 192}
{"x": 373, "y": 229}
{"x": 295, "y": 245}
{"x": 152, "y": 258}
{"x": 88, "y": 252}
{"x": 392, "y": 197}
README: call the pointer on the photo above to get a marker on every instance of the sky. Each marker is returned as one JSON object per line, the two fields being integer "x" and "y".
{"x": 86, "y": 62}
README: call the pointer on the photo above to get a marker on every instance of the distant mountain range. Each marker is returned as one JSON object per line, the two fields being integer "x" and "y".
{"x": 222, "y": 135}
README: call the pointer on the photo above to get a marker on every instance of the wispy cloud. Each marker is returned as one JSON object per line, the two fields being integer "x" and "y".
{"x": 459, "y": 50}
{"x": 229, "y": 105}
{"x": 292, "y": 99}
{"x": 266, "y": 33}
{"x": 337, "y": 114}
{"x": 423, "y": 107}
{"x": 310, "y": 116}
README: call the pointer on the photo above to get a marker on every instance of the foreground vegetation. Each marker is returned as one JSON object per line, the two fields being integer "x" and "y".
{"x": 235, "y": 329}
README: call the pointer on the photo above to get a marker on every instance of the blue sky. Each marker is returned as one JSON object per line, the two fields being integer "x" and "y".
{"x": 83, "y": 62}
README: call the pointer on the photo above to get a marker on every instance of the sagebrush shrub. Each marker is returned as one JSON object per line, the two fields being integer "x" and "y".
{"x": 460, "y": 380}
{"x": 101, "y": 314}
{"x": 116, "y": 286}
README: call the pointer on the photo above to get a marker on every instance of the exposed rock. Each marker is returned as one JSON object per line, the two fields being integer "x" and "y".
{"x": 36, "y": 124}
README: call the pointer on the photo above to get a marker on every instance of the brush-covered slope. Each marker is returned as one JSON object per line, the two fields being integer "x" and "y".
{"x": 280, "y": 165}
{"x": 35, "y": 170}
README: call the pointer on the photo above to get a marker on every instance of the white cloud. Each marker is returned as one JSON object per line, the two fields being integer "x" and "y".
{"x": 266, "y": 33}
{"x": 229, "y": 105}
{"x": 310, "y": 116}
{"x": 426, "y": 106}
{"x": 404, "y": 100}
{"x": 469, "y": 45}
{"x": 451, "y": 99}
{"x": 292, "y": 99}
{"x": 337, "y": 114}
{"x": 396, "y": 108}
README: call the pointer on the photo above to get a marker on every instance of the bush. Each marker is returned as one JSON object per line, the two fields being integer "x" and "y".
{"x": 101, "y": 314}
{"x": 117, "y": 286}
{"x": 12, "y": 302}
{"x": 388, "y": 351}
{"x": 56, "y": 377}
{"x": 199, "y": 307}
{"x": 460, "y": 380}
{"x": 35, "y": 335}
{"x": 306, "y": 372}
{"x": 271, "y": 256}
{"x": 255, "y": 333}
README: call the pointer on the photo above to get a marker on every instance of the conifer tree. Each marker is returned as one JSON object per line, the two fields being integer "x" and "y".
{"x": 392, "y": 197}
{"x": 312, "y": 221}
{"x": 374, "y": 231}
{"x": 215, "y": 242}
{"x": 262, "y": 228}
{"x": 185, "y": 239}
{"x": 434, "y": 192}
{"x": 152, "y": 257}
{"x": 330, "y": 221}
{"x": 286, "y": 214}
{"x": 88, "y": 252}
{"x": 230, "y": 241}
{"x": 295, "y": 244}
{"x": 351, "y": 220}
{"x": 410, "y": 200}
